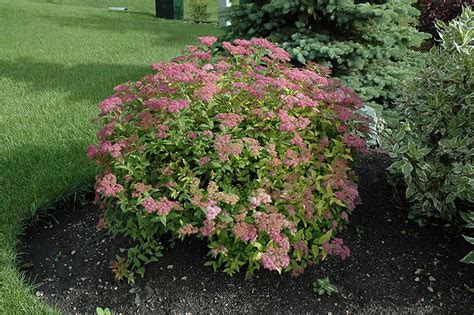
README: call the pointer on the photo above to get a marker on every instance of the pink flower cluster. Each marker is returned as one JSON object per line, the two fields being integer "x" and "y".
{"x": 188, "y": 229}
{"x": 337, "y": 247}
{"x": 212, "y": 211}
{"x": 260, "y": 198}
{"x": 207, "y": 91}
{"x": 110, "y": 104}
{"x": 108, "y": 185}
{"x": 172, "y": 106}
{"x": 226, "y": 148}
{"x": 356, "y": 142}
{"x": 245, "y": 231}
{"x": 275, "y": 259}
{"x": 229, "y": 120}
{"x": 208, "y": 40}
{"x": 163, "y": 206}
{"x": 290, "y": 123}
{"x": 346, "y": 190}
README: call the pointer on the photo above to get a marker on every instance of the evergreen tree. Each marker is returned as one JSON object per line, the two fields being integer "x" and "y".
{"x": 368, "y": 44}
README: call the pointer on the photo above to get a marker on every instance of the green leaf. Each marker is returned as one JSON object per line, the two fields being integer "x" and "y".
{"x": 469, "y": 258}
{"x": 407, "y": 168}
{"x": 163, "y": 219}
{"x": 469, "y": 239}
{"x": 326, "y": 237}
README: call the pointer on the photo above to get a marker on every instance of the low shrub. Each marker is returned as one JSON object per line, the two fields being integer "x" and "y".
{"x": 442, "y": 10}
{"x": 238, "y": 148}
{"x": 434, "y": 149}
{"x": 199, "y": 10}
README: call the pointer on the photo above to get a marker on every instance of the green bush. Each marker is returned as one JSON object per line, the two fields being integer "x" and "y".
{"x": 199, "y": 10}
{"x": 369, "y": 45}
{"x": 434, "y": 150}
{"x": 242, "y": 150}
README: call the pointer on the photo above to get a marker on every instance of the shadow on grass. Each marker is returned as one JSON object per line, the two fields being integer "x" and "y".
{"x": 90, "y": 81}
{"x": 32, "y": 175}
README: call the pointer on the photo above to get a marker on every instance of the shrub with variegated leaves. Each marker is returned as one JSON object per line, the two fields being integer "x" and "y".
{"x": 234, "y": 146}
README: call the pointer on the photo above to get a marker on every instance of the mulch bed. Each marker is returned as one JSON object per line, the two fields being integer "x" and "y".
{"x": 395, "y": 266}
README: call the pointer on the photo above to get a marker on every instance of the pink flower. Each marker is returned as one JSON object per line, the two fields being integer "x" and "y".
{"x": 150, "y": 205}
{"x": 301, "y": 247}
{"x": 275, "y": 259}
{"x": 188, "y": 229}
{"x": 222, "y": 66}
{"x": 207, "y": 40}
{"x": 219, "y": 249}
{"x": 191, "y": 135}
{"x": 225, "y": 148}
{"x": 207, "y": 91}
{"x": 355, "y": 142}
{"x": 236, "y": 50}
{"x": 286, "y": 121}
{"x": 162, "y": 131}
{"x": 337, "y": 247}
{"x": 344, "y": 113}
{"x": 276, "y": 52}
{"x": 291, "y": 210}
{"x": 92, "y": 151}
{"x": 271, "y": 223}
{"x": 207, "y": 67}
{"x": 308, "y": 203}
{"x": 344, "y": 216}
{"x": 297, "y": 140}
{"x": 204, "y": 160}
{"x": 128, "y": 98}
{"x": 246, "y": 232}
{"x": 208, "y": 229}
{"x": 229, "y": 120}
{"x": 291, "y": 158}
{"x": 212, "y": 212}
{"x": 108, "y": 185}
{"x": 207, "y": 133}
{"x": 153, "y": 103}
{"x": 107, "y": 131}
{"x": 175, "y": 106}
{"x": 110, "y": 104}
{"x": 255, "y": 202}
{"x": 121, "y": 88}
{"x": 163, "y": 206}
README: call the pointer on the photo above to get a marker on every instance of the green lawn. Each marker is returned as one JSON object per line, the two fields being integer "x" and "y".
{"x": 58, "y": 58}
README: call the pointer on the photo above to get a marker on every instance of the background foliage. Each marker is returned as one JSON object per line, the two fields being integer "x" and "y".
{"x": 435, "y": 147}
{"x": 368, "y": 45}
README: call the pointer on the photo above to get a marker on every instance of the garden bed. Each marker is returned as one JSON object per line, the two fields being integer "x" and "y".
{"x": 394, "y": 266}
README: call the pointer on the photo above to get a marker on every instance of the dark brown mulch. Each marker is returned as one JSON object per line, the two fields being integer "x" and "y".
{"x": 395, "y": 266}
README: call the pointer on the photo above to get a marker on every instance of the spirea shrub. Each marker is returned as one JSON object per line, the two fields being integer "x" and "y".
{"x": 435, "y": 147}
{"x": 238, "y": 148}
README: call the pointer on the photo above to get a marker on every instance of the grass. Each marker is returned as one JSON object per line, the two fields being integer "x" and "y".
{"x": 59, "y": 58}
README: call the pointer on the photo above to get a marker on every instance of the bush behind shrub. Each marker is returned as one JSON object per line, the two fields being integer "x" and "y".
{"x": 199, "y": 10}
{"x": 435, "y": 147}
{"x": 369, "y": 45}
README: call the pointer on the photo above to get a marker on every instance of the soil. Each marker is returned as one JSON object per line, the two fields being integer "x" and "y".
{"x": 395, "y": 266}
